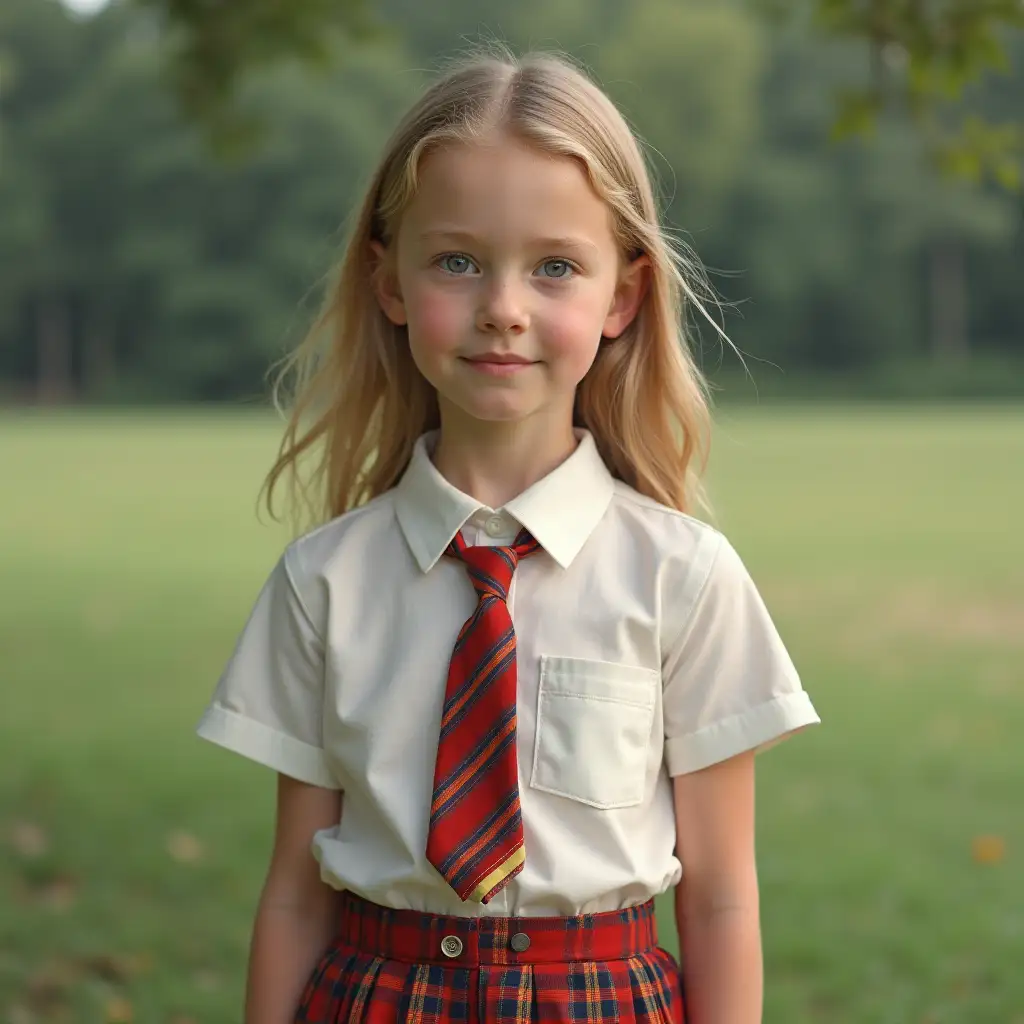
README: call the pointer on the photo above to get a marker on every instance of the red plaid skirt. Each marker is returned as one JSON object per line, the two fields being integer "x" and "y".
{"x": 399, "y": 965}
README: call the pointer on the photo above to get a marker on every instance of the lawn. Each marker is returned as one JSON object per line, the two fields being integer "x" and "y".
{"x": 887, "y": 542}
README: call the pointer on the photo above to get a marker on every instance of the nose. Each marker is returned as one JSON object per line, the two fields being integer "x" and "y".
{"x": 502, "y": 309}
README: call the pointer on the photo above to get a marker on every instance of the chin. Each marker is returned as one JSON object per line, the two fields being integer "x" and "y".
{"x": 492, "y": 411}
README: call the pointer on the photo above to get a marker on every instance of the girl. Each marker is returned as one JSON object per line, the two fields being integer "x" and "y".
{"x": 511, "y": 688}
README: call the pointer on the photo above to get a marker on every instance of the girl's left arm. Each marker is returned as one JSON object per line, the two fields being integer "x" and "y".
{"x": 717, "y": 903}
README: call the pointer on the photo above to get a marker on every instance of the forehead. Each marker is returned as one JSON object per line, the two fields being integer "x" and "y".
{"x": 503, "y": 190}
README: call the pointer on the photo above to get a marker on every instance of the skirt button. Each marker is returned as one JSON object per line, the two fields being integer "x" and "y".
{"x": 451, "y": 946}
{"x": 520, "y": 942}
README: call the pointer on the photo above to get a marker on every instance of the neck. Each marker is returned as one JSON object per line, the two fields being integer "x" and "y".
{"x": 494, "y": 462}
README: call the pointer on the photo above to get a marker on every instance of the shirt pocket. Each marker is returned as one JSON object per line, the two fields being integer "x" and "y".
{"x": 593, "y": 730}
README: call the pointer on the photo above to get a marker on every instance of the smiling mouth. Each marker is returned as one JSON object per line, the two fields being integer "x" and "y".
{"x": 500, "y": 360}
{"x": 498, "y": 366}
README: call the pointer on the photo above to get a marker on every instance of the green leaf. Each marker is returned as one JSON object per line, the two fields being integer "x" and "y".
{"x": 1008, "y": 174}
{"x": 857, "y": 114}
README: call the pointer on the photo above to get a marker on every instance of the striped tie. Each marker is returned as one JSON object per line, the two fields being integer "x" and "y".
{"x": 476, "y": 830}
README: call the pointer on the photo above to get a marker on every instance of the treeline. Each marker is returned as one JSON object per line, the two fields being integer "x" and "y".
{"x": 136, "y": 263}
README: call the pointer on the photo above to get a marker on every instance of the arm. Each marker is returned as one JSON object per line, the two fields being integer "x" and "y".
{"x": 297, "y": 914}
{"x": 717, "y": 899}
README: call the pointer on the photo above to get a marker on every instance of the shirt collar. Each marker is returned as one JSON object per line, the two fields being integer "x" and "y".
{"x": 561, "y": 510}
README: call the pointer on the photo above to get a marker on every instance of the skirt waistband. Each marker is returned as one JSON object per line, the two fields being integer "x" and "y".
{"x": 414, "y": 937}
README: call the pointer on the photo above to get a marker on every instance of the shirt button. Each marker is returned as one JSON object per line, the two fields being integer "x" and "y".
{"x": 451, "y": 946}
{"x": 495, "y": 526}
{"x": 520, "y": 942}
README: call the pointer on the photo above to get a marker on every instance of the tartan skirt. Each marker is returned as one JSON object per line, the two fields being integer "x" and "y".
{"x": 400, "y": 965}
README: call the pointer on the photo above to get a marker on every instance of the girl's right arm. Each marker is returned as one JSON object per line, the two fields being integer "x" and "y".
{"x": 297, "y": 916}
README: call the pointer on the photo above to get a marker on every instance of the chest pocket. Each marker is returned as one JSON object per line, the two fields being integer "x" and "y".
{"x": 593, "y": 730}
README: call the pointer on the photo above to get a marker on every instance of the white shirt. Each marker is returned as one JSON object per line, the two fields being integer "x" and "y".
{"x": 644, "y": 651}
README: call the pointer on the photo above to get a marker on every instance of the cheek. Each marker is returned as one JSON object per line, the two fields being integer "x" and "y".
{"x": 436, "y": 319}
{"x": 573, "y": 333}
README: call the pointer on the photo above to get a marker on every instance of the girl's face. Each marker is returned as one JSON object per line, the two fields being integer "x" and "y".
{"x": 506, "y": 272}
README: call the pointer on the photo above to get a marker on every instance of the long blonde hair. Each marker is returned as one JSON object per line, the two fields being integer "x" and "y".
{"x": 360, "y": 403}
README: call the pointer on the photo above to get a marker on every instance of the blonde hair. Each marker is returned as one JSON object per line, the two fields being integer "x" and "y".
{"x": 360, "y": 403}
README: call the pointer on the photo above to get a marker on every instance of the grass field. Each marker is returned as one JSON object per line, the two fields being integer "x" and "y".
{"x": 888, "y": 543}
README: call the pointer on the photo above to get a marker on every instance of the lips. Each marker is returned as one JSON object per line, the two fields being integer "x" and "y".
{"x": 499, "y": 365}
{"x": 501, "y": 359}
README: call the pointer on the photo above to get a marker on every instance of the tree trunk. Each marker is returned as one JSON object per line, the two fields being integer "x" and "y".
{"x": 948, "y": 300}
{"x": 53, "y": 341}
{"x": 97, "y": 357}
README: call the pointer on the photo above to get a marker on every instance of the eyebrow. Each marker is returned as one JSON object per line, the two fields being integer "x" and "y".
{"x": 552, "y": 244}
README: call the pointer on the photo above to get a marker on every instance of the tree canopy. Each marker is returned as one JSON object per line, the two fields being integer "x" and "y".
{"x": 136, "y": 262}
{"x": 918, "y": 55}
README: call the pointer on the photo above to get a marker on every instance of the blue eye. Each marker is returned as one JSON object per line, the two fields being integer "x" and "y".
{"x": 557, "y": 270}
{"x": 455, "y": 263}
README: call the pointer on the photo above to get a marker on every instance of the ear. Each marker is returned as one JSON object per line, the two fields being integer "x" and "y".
{"x": 384, "y": 275}
{"x": 630, "y": 292}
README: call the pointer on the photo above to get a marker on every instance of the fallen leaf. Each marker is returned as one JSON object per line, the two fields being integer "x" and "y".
{"x": 116, "y": 969}
{"x": 109, "y": 968}
{"x": 184, "y": 847}
{"x": 46, "y": 989}
{"x": 59, "y": 894}
{"x": 29, "y": 839}
{"x": 140, "y": 963}
{"x": 119, "y": 1011}
{"x": 988, "y": 849}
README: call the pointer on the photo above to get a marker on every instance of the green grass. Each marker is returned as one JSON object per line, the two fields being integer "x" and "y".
{"x": 887, "y": 542}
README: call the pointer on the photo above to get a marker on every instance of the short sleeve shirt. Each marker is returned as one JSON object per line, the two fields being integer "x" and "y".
{"x": 644, "y": 651}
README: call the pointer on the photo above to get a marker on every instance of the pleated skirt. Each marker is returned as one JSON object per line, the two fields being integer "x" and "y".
{"x": 397, "y": 965}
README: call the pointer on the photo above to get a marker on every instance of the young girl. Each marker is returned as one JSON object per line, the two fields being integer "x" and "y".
{"x": 511, "y": 688}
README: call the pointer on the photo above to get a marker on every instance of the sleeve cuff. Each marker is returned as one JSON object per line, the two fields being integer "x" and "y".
{"x": 755, "y": 729}
{"x": 267, "y": 746}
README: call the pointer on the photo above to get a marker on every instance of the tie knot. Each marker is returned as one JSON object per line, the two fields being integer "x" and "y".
{"x": 491, "y": 568}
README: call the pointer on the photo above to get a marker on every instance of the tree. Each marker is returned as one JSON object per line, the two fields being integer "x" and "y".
{"x": 135, "y": 264}
{"x": 41, "y": 56}
{"x": 214, "y": 46}
{"x": 924, "y": 62}
{"x": 124, "y": 247}
{"x": 686, "y": 76}
{"x": 922, "y": 55}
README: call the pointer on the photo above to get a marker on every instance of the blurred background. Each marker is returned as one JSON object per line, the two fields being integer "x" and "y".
{"x": 175, "y": 179}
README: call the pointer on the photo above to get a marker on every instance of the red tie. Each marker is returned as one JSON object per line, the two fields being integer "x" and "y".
{"x": 476, "y": 830}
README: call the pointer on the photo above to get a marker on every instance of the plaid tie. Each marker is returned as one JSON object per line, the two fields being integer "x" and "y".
{"x": 476, "y": 830}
